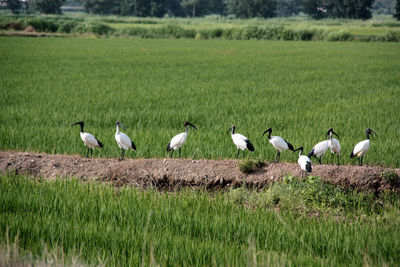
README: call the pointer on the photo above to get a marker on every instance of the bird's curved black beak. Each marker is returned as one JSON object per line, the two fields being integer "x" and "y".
{"x": 335, "y": 134}
{"x": 79, "y": 122}
{"x": 374, "y": 132}
{"x": 192, "y": 125}
{"x": 230, "y": 129}
{"x": 299, "y": 148}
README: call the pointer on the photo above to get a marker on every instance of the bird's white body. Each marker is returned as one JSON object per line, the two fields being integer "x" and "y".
{"x": 89, "y": 140}
{"x": 240, "y": 141}
{"x": 361, "y": 148}
{"x": 334, "y": 146}
{"x": 278, "y": 143}
{"x": 178, "y": 140}
{"x": 303, "y": 162}
{"x": 123, "y": 141}
{"x": 321, "y": 148}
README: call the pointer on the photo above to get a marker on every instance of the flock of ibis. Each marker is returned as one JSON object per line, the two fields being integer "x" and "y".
{"x": 242, "y": 143}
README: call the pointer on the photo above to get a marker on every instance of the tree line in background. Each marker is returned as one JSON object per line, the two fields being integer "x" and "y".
{"x": 352, "y": 9}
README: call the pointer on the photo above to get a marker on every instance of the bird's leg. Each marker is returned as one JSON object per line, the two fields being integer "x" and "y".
{"x": 172, "y": 152}
{"x": 87, "y": 152}
{"x": 122, "y": 154}
{"x": 237, "y": 156}
{"x": 319, "y": 159}
{"x": 361, "y": 160}
{"x": 338, "y": 160}
{"x": 278, "y": 156}
{"x": 179, "y": 152}
{"x": 91, "y": 152}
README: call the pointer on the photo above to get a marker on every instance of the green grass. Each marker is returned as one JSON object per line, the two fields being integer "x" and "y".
{"x": 152, "y": 86}
{"x": 128, "y": 226}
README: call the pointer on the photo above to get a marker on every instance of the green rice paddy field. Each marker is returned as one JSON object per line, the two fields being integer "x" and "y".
{"x": 300, "y": 89}
{"x": 307, "y": 223}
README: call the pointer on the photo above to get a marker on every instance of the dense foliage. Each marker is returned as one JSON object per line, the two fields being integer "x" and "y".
{"x": 359, "y": 9}
{"x": 396, "y": 13}
{"x": 48, "y": 6}
{"x": 14, "y": 5}
{"x": 196, "y": 8}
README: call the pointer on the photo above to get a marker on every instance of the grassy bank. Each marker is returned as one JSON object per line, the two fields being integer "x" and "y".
{"x": 295, "y": 222}
{"x": 296, "y": 28}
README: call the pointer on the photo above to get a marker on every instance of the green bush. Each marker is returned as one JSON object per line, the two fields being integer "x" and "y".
{"x": 338, "y": 36}
{"x": 246, "y": 165}
{"x": 43, "y": 24}
{"x": 67, "y": 26}
{"x": 304, "y": 34}
{"x": 216, "y": 33}
{"x": 392, "y": 36}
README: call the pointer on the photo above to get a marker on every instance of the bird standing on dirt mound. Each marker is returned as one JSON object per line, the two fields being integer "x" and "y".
{"x": 241, "y": 141}
{"x": 178, "y": 140}
{"x": 334, "y": 144}
{"x": 123, "y": 141}
{"x": 304, "y": 161}
{"x": 362, "y": 147}
{"x": 319, "y": 150}
{"x": 88, "y": 139}
{"x": 278, "y": 143}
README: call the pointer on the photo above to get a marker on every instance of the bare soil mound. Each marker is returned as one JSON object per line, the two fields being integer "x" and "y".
{"x": 173, "y": 174}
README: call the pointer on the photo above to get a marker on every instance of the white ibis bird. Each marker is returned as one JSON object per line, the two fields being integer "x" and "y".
{"x": 362, "y": 147}
{"x": 178, "y": 140}
{"x": 304, "y": 161}
{"x": 241, "y": 141}
{"x": 123, "y": 141}
{"x": 88, "y": 139}
{"x": 319, "y": 150}
{"x": 278, "y": 143}
{"x": 334, "y": 144}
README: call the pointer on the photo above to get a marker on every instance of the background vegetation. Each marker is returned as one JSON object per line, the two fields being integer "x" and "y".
{"x": 295, "y": 222}
{"x": 361, "y": 9}
{"x": 153, "y": 86}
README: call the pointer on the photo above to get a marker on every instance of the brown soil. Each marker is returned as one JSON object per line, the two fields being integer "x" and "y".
{"x": 172, "y": 174}
{"x": 30, "y": 29}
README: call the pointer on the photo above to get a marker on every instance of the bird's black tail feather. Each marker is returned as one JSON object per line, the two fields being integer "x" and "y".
{"x": 133, "y": 146}
{"x": 249, "y": 145}
{"x": 352, "y": 155}
{"x": 168, "y": 147}
{"x": 311, "y": 153}
{"x": 100, "y": 143}
{"x": 308, "y": 167}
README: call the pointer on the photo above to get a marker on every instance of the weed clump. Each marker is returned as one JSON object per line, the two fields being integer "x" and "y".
{"x": 389, "y": 176}
{"x": 247, "y": 165}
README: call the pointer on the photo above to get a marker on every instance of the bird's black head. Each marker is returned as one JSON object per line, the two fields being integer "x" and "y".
{"x": 189, "y": 124}
{"x": 300, "y": 149}
{"x": 232, "y": 128}
{"x": 119, "y": 124}
{"x": 369, "y": 132}
{"x": 269, "y": 131}
{"x": 79, "y": 123}
{"x": 330, "y": 132}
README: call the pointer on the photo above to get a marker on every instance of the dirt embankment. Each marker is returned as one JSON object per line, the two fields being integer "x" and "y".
{"x": 172, "y": 174}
